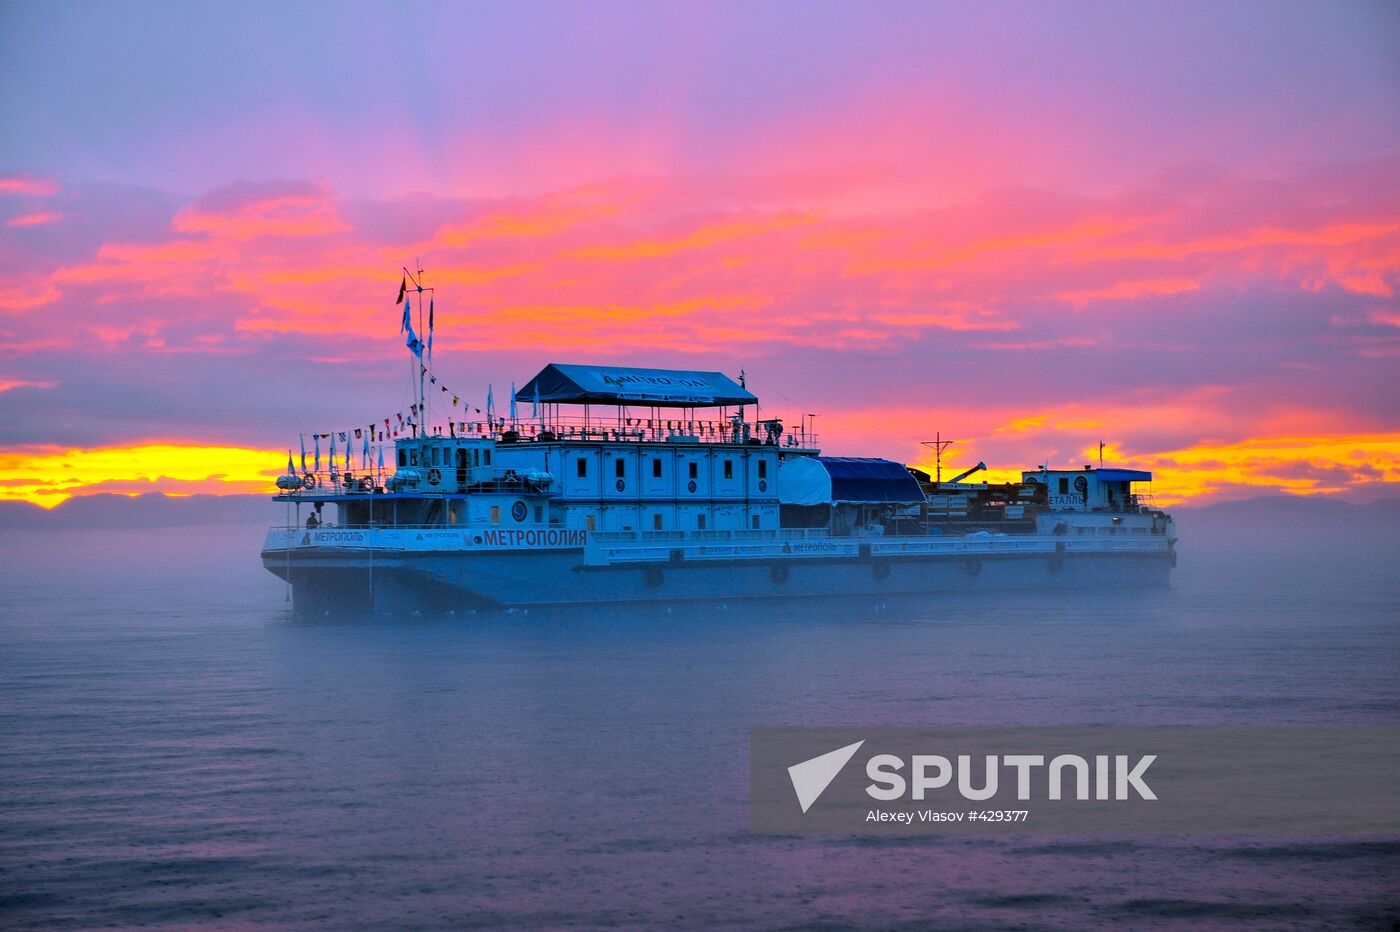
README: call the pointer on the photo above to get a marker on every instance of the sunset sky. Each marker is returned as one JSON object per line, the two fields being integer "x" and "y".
{"x": 1173, "y": 227}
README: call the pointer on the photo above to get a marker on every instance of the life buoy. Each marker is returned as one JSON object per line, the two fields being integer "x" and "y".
{"x": 434, "y": 476}
{"x": 308, "y": 481}
{"x": 780, "y": 572}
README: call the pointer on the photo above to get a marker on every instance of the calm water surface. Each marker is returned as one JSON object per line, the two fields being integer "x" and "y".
{"x": 177, "y": 751}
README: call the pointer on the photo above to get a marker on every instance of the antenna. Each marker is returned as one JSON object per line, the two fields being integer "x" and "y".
{"x": 938, "y": 444}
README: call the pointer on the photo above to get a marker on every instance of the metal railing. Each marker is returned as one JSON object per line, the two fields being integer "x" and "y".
{"x": 629, "y": 430}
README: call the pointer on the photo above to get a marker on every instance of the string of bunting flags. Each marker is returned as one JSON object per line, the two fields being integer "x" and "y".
{"x": 376, "y": 431}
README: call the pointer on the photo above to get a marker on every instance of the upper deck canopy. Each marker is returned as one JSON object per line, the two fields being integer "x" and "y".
{"x": 619, "y": 385}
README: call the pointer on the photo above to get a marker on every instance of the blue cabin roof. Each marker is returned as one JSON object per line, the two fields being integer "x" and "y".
{"x": 1123, "y": 475}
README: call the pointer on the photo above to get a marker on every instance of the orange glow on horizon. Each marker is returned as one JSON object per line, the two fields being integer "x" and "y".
{"x": 49, "y": 476}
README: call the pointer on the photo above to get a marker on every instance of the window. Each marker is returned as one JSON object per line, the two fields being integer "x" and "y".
{"x": 539, "y": 514}
{"x": 403, "y": 457}
{"x": 620, "y": 465}
{"x": 656, "y": 467}
{"x": 656, "y": 520}
{"x": 486, "y": 457}
{"x": 582, "y": 468}
{"x": 1064, "y": 486}
{"x": 437, "y": 457}
{"x": 729, "y": 469}
{"x": 694, "y": 470}
{"x": 413, "y": 457}
{"x": 763, "y": 469}
{"x": 476, "y": 456}
{"x": 755, "y": 522}
{"x": 590, "y": 522}
{"x": 495, "y": 514}
{"x": 700, "y": 522}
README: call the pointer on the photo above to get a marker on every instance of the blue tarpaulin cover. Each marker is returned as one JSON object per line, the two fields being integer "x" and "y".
{"x": 619, "y": 385}
{"x": 815, "y": 480}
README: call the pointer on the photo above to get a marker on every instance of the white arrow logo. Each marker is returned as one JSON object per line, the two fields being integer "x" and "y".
{"x": 811, "y": 777}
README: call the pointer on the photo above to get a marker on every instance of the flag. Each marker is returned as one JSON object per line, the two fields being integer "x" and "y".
{"x": 347, "y": 457}
{"x": 512, "y": 401}
{"x": 364, "y": 454}
{"x": 342, "y": 436}
{"x": 332, "y": 456}
{"x": 490, "y": 402}
{"x": 407, "y": 323}
{"x": 537, "y": 399}
{"x": 415, "y": 346}
{"x": 303, "y": 452}
{"x": 403, "y": 290}
{"x": 455, "y": 399}
{"x": 317, "y": 438}
{"x": 381, "y": 460}
{"x": 359, "y": 432}
{"x": 431, "y": 302}
{"x": 291, "y": 467}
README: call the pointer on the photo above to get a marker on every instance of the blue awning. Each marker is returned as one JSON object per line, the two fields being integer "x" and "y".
{"x": 1123, "y": 475}
{"x": 620, "y": 385}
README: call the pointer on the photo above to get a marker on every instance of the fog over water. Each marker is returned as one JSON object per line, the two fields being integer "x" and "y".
{"x": 176, "y": 750}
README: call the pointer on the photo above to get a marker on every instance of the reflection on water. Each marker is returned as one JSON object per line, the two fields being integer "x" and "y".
{"x": 178, "y": 751}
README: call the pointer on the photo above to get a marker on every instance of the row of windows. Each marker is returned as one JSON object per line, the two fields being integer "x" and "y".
{"x": 620, "y": 467}
{"x": 437, "y": 457}
{"x": 590, "y": 522}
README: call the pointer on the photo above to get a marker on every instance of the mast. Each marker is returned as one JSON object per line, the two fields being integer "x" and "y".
{"x": 939, "y": 445}
{"x": 420, "y": 425}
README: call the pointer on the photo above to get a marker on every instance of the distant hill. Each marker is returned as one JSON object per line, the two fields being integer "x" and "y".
{"x": 1293, "y": 510}
{"x": 152, "y": 510}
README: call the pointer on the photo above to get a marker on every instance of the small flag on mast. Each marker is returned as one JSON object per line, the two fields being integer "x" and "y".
{"x": 431, "y": 302}
{"x": 403, "y": 290}
{"x": 317, "y": 439}
{"x": 406, "y": 323}
{"x": 512, "y": 401}
{"x": 302, "y": 438}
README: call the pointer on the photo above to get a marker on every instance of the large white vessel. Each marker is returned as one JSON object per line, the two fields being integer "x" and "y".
{"x": 627, "y": 485}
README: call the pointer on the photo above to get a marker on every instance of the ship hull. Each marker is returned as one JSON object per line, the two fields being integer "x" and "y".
{"x": 332, "y": 581}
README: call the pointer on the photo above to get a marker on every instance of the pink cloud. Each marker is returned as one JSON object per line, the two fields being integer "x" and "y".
{"x": 29, "y": 186}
